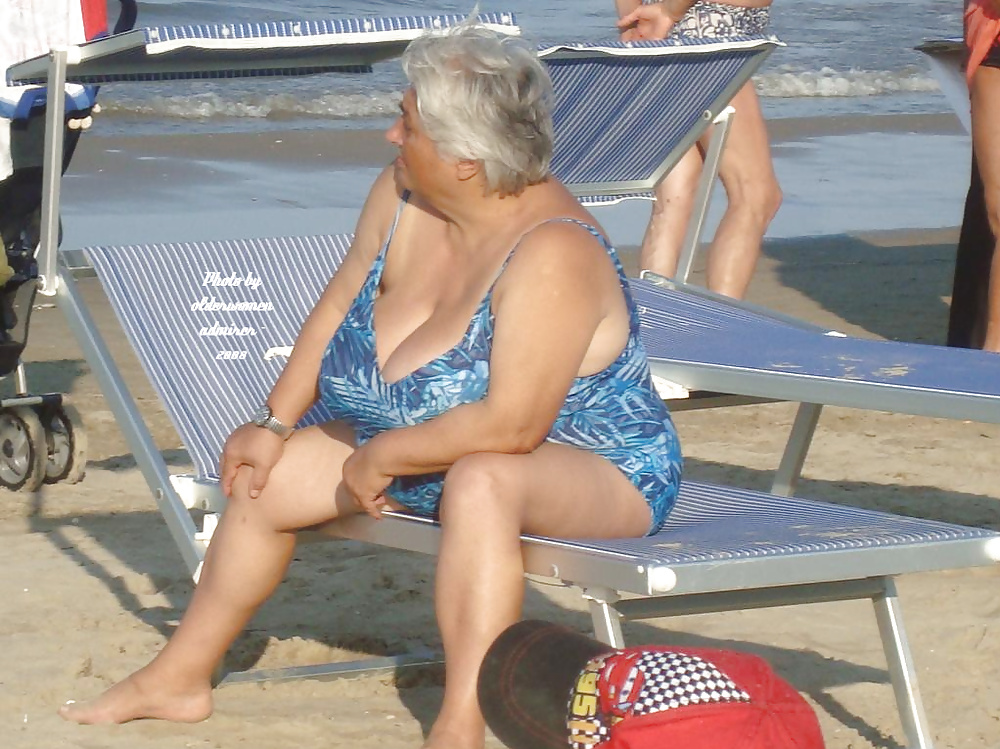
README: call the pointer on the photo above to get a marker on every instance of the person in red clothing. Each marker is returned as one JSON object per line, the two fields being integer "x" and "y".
{"x": 975, "y": 310}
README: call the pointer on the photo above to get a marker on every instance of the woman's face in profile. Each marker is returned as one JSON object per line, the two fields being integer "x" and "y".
{"x": 418, "y": 163}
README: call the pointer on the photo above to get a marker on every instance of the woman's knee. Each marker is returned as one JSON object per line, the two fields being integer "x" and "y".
{"x": 758, "y": 193}
{"x": 483, "y": 484}
{"x": 241, "y": 504}
{"x": 277, "y": 508}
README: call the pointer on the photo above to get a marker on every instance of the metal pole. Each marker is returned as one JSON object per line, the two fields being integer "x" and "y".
{"x": 55, "y": 116}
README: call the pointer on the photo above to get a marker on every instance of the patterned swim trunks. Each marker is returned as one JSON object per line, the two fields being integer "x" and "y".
{"x": 707, "y": 20}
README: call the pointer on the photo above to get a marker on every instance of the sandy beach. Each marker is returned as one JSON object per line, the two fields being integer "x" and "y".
{"x": 93, "y": 583}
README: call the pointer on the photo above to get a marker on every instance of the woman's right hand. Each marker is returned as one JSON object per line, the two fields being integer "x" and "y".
{"x": 251, "y": 446}
{"x": 646, "y": 22}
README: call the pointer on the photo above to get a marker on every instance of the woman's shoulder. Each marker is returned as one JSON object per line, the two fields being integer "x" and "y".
{"x": 565, "y": 252}
{"x": 565, "y": 235}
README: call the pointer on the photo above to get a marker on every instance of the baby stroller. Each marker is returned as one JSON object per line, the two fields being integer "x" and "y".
{"x": 42, "y": 439}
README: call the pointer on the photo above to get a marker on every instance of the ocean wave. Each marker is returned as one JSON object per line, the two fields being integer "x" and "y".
{"x": 786, "y": 83}
{"x": 382, "y": 101}
{"x": 275, "y": 106}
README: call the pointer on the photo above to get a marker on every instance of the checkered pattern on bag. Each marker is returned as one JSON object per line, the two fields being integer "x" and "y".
{"x": 675, "y": 680}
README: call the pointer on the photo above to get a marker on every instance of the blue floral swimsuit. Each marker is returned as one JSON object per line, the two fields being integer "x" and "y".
{"x": 615, "y": 413}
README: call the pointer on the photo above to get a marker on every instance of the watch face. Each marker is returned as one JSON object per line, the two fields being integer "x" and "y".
{"x": 261, "y": 415}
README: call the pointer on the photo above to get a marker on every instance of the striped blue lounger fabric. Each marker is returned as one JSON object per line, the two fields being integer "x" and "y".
{"x": 625, "y": 113}
{"x": 278, "y": 48}
{"x": 212, "y": 328}
{"x": 663, "y": 95}
{"x": 713, "y": 344}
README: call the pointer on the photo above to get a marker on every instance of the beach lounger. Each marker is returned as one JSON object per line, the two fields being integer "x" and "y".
{"x": 712, "y": 345}
{"x": 619, "y": 133}
{"x": 946, "y": 58}
{"x": 211, "y": 324}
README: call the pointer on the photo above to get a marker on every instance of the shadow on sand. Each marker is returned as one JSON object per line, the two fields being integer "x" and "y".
{"x": 397, "y": 614}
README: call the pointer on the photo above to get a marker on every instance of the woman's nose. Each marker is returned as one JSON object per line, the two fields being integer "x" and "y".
{"x": 394, "y": 132}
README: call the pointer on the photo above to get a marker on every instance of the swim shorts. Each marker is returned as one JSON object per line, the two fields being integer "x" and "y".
{"x": 707, "y": 20}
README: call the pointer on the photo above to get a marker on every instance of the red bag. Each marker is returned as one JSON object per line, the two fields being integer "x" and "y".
{"x": 543, "y": 686}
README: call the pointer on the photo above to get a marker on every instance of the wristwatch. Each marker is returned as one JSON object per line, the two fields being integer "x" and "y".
{"x": 264, "y": 418}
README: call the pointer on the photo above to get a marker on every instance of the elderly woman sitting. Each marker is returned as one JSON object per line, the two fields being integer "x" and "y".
{"x": 481, "y": 353}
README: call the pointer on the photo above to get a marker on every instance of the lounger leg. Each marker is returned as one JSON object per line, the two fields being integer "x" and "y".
{"x": 607, "y": 620}
{"x": 703, "y": 193}
{"x": 796, "y": 448}
{"x": 902, "y": 670}
{"x": 129, "y": 420}
{"x": 52, "y": 163}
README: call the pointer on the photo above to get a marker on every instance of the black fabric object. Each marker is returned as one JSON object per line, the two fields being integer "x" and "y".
{"x": 971, "y": 284}
{"x": 526, "y": 680}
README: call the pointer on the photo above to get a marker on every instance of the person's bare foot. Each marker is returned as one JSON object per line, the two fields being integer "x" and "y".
{"x": 444, "y": 738}
{"x": 138, "y": 697}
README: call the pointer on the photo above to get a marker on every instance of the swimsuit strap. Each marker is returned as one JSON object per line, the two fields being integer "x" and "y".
{"x": 403, "y": 200}
{"x": 564, "y": 219}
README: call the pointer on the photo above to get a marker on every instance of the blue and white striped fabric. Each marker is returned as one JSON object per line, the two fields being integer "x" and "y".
{"x": 233, "y": 50}
{"x": 186, "y": 325}
{"x": 714, "y": 523}
{"x": 626, "y": 112}
{"x": 692, "y": 330}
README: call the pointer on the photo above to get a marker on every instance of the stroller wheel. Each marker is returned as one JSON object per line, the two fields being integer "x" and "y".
{"x": 66, "y": 445}
{"x": 22, "y": 449}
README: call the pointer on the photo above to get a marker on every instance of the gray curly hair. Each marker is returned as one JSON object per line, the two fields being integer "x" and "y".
{"x": 485, "y": 97}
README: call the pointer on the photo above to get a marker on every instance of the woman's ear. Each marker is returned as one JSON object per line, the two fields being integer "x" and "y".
{"x": 467, "y": 169}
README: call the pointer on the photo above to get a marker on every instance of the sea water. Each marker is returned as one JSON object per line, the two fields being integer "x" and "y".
{"x": 842, "y": 57}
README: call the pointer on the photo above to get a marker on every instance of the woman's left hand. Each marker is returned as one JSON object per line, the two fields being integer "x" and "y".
{"x": 365, "y": 481}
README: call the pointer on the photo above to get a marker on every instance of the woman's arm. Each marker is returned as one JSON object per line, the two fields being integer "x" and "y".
{"x": 548, "y": 306}
{"x": 296, "y": 388}
{"x": 653, "y": 21}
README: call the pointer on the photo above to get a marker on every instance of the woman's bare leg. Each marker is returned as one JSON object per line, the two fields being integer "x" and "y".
{"x": 985, "y": 95}
{"x": 664, "y": 237}
{"x": 489, "y": 500}
{"x": 248, "y": 556}
{"x": 753, "y": 196}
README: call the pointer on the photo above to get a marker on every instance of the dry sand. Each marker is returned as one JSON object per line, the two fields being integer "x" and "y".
{"x": 93, "y": 584}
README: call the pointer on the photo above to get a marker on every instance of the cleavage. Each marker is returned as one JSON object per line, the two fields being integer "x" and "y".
{"x": 401, "y": 348}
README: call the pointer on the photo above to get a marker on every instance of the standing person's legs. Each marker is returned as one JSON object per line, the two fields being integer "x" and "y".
{"x": 753, "y": 196}
{"x": 248, "y": 556}
{"x": 489, "y": 500}
{"x": 661, "y": 245}
{"x": 985, "y": 97}
{"x": 970, "y": 286}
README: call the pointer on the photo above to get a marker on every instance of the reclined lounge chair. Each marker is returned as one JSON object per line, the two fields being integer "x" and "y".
{"x": 728, "y": 352}
{"x": 721, "y": 549}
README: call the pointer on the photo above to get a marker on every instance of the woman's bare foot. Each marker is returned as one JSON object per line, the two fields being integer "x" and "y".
{"x": 446, "y": 738}
{"x": 141, "y": 697}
